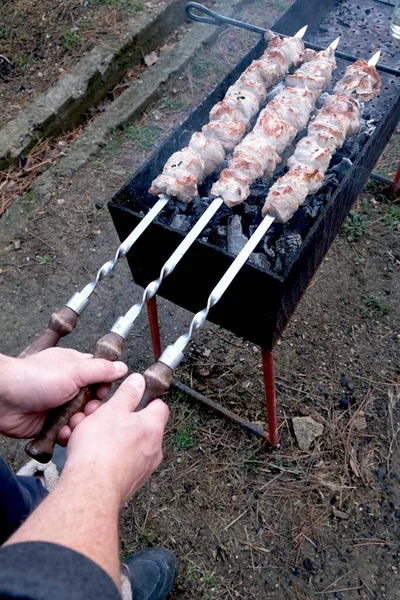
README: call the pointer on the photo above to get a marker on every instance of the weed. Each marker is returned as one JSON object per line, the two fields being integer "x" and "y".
{"x": 200, "y": 69}
{"x": 71, "y": 39}
{"x": 137, "y": 6}
{"x": 377, "y": 305}
{"x": 2, "y": 33}
{"x": 171, "y": 104}
{"x": 43, "y": 260}
{"x": 392, "y": 216}
{"x": 114, "y": 145}
{"x": 355, "y": 226}
{"x": 144, "y": 137}
{"x": 184, "y": 436}
{"x": 252, "y": 463}
{"x": 147, "y": 535}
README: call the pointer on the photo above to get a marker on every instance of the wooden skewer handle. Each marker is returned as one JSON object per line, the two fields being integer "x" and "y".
{"x": 41, "y": 448}
{"x": 61, "y": 323}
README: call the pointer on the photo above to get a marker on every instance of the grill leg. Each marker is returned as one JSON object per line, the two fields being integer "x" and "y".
{"x": 269, "y": 382}
{"x": 152, "y": 314}
{"x": 396, "y": 182}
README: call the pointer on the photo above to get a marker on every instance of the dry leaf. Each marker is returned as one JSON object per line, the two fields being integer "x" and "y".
{"x": 150, "y": 59}
{"x": 354, "y": 467}
{"x": 339, "y": 514}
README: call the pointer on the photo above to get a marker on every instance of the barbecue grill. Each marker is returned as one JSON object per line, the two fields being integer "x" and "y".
{"x": 262, "y": 316}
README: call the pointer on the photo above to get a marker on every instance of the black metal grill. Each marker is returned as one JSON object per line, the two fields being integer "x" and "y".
{"x": 261, "y": 316}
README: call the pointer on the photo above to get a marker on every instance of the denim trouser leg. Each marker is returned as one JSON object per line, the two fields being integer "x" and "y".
{"x": 19, "y": 496}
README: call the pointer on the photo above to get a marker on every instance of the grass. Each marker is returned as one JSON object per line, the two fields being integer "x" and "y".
{"x": 252, "y": 463}
{"x": 113, "y": 146}
{"x": 170, "y": 103}
{"x": 184, "y": 435}
{"x": 43, "y": 260}
{"x": 355, "y": 226}
{"x": 71, "y": 40}
{"x": 392, "y": 215}
{"x": 376, "y": 305}
{"x": 144, "y": 136}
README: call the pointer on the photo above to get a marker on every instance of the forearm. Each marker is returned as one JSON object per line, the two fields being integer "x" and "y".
{"x": 80, "y": 514}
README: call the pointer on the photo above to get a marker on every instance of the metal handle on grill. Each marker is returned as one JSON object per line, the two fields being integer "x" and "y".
{"x": 214, "y": 18}
{"x": 41, "y": 448}
{"x": 61, "y": 323}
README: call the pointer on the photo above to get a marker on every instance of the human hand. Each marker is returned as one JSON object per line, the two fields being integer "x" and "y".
{"x": 31, "y": 386}
{"x": 115, "y": 445}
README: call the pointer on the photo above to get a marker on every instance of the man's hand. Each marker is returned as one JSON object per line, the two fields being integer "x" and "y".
{"x": 29, "y": 387}
{"x": 117, "y": 447}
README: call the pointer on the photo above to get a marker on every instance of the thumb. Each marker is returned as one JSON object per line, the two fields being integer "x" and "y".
{"x": 98, "y": 370}
{"x": 129, "y": 393}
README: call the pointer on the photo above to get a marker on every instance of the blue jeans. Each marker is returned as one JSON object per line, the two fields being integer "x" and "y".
{"x": 19, "y": 496}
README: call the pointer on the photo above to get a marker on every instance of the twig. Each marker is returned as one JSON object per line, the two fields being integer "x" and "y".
{"x": 40, "y": 240}
{"x": 336, "y": 581}
{"x": 225, "y": 340}
{"x": 237, "y": 519}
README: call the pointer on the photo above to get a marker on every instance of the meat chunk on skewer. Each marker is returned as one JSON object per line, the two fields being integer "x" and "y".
{"x": 338, "y": 119}
{"x": 230, "y": 118}
{"x": 276, "y": 127}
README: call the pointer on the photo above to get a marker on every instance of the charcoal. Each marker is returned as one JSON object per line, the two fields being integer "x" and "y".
{"x": 236, "y": 238}
{"x": 260, "y": 260}
{"x": 180, "y": 223}
{"x": 269, "y": 251}
{"x": 183, "y": 206}
{"x": 222, "y": 230}
{"x": 287, "y": 246}
{"x": 200, "y": 207}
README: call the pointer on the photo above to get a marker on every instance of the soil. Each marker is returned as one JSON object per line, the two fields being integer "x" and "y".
{"x": 245, "y": 522}
{"x": 40, "y": 40}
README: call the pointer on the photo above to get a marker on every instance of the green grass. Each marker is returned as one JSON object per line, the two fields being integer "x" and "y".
{"x": 252, "y": 463}
{"x": 392, "y": 215}
{"x": 113, "y": 146}
{"x": 184, "y": 435}
{"x": 147, "y": 536}
{"x": 170, "y": 103}
{"x": 2, "y": 33}
{"x": 376, "y": 305}
{"x": 355, "y": 226}
{"x": 71, "y": 40}
{"x": 144, "y": 136}
{"x": 43, "y": 260}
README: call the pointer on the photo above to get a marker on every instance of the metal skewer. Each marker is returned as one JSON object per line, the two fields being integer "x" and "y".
{"x": 159, "y": 375}
{"x": 64, "y": 320}
{"x": 110, "y": 346}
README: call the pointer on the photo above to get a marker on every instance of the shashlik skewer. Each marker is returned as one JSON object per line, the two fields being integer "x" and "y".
{"x": 229, "y": 119}
{"x": 276, "y": 127}
{"x": 338, "y": 119}
{"x": 110, "y": 346}
{"x": 291, "y": 50}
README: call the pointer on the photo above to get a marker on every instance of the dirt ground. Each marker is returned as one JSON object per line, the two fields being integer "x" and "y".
{"x": 41, "y": 39}
{"x": 245, "y": 522}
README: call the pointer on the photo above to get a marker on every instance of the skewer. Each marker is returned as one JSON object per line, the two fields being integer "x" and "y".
{"x": 64, "y": 320}
{"x": 110, "y": 346}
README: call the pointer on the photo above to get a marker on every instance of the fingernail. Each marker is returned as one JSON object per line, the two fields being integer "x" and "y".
{"x": 135, "y": 380}
{"x": 120, "y": 368}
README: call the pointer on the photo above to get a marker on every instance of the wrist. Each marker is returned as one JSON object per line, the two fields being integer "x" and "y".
{"x": 6, "y": 363}
{"x": 93, "y": 482}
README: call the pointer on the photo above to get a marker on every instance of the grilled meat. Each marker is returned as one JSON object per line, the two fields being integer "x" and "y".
{"x": 276, "y": 127}
{"x": 228, "y": 120}
{"x": 338, "y": 119}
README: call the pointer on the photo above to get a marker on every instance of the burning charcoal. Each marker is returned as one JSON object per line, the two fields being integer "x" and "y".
{"x": 236, "y": 238}
{"x": 183, "y": 206}
{"x": 222, "y": 230}
{"x": 286, "y": 247}
{"x": 251, "y": 209}
{"x": 260, "y": 260}
{"x": 199, "y": 206}
{"x": 181, "y": 223}
{"x": 269, "y": 251}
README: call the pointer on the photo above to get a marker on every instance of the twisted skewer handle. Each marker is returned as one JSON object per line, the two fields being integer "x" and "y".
{"x": 61, "y": 323}
{"x": 41, "y": 448}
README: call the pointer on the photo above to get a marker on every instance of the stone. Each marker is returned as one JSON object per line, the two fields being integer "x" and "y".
{"x": 306, "y": 431}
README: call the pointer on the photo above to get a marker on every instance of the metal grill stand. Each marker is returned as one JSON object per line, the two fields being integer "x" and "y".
{"x": 269, "y": 381}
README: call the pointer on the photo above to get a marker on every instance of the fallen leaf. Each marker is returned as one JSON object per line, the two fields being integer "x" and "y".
{"x": 150, "y": 59}
{"x": 354, "y": 467}
{"x": 339, "y": 514}
{"x": 17, "y": 244}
